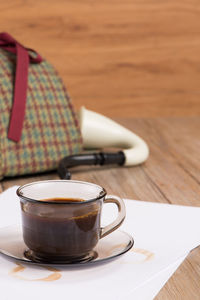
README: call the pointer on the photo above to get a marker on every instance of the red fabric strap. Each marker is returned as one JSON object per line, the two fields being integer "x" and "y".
{"x": 23, "y": 57}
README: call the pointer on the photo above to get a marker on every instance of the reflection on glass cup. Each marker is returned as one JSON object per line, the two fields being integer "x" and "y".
{"x": 61, "y": 219}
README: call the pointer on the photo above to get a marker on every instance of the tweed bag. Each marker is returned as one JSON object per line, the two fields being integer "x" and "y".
{"x": 36, "y": 134}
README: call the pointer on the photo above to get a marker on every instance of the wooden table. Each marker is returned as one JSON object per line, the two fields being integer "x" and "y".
{"x": 171, "y": 175}
{"x": 126, "y": 58}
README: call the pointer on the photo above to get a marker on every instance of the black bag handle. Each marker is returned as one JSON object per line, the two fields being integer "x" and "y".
{"x": 101, "y": 158}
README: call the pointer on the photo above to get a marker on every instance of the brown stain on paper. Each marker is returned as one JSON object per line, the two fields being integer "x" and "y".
{"x": 17, "y": 269}
{"x": 55, "y": 275}
{"x": 148, "y": 255}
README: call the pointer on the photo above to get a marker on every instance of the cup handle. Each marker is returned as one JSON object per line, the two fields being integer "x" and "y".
{"x": 120, "y": 218}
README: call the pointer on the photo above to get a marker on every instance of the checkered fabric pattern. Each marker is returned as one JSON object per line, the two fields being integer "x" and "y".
{"x": 50, "y": 130}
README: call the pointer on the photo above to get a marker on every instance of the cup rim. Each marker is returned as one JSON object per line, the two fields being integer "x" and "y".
{"x": 20, "y": 195}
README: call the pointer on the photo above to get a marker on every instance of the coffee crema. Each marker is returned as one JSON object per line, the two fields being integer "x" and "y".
{"x": 62, "y": 200}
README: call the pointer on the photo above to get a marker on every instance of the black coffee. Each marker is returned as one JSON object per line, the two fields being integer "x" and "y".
{"x": 65, "y": 232}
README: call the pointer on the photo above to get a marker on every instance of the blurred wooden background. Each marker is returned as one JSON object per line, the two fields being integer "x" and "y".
{"x": 122, "y": 58}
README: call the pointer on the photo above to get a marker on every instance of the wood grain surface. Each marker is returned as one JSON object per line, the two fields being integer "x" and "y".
{"x": 170, "y": 175}
{"x": 120, "y": 58}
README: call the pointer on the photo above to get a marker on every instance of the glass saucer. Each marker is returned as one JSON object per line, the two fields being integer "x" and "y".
{"x": 112, "y": 246}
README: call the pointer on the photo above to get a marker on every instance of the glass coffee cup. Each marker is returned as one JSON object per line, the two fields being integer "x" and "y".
{"x": 61, "y": 219}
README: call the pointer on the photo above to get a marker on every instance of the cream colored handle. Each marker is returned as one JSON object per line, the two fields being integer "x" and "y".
{"x": 100, "y": 132}
{"x": 120, "y": 218}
